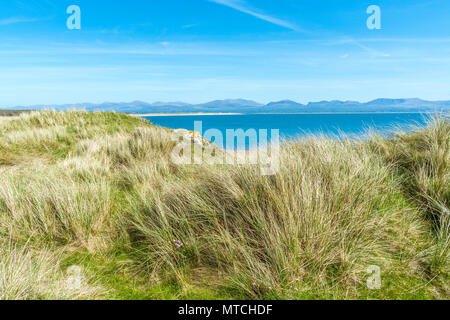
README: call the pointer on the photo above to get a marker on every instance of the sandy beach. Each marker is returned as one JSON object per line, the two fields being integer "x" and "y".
{"x": 183, "y": 114}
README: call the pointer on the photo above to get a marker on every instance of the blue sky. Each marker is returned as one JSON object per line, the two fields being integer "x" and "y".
{"x": 201, "y": 50}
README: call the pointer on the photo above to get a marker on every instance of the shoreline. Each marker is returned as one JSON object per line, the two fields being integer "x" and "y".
{"x": 184, "y": 114}
{"x": 276, "y": 113}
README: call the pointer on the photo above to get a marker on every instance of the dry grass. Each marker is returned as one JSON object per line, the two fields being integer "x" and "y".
{"x": 100, "y": 182}
{"x": 27, "y": 274}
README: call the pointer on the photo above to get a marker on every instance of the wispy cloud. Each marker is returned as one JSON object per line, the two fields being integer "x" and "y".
{"x": 187, "y": 26}
{"x": 371, "y": 51}
{"x": 358, "y": 43}
{"x": 242, "y": 7}
{"x": 13, "y": 20}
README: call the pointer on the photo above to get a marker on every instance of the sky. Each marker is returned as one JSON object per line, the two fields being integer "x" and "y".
{"x": 201, "y": 50}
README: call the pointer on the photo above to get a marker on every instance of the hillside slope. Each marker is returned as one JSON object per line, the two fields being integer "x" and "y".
{"x": 92, "y": 207}
{"x": 248, "y": 106}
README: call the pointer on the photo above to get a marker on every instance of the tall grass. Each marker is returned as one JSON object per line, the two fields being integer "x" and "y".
{"x": 318, "y": 222}
{"x": 102, "y": 183}
{"x": 422, "y": 161}
{"x": 53, "y": 208}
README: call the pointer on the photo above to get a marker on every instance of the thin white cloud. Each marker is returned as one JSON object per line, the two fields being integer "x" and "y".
{"x": 241, "y": 6}
{"x": 13, "y": 20}
{"x": 187, "y": 26}
{"x": 358, "y": 43}
{"x": 371, "y": 51}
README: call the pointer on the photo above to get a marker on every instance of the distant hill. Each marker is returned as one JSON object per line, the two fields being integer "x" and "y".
{"x": 248, "y": 106}
{"x": 284, "y": 106}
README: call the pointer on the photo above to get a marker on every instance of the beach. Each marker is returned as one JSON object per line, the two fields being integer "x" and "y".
{"x": 183, "y": 114}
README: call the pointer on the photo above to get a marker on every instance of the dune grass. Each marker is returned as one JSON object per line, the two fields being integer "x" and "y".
{"x": 98, "y": 191}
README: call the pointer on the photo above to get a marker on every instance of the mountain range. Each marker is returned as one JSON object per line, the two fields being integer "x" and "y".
{"x": 248, "y": 106}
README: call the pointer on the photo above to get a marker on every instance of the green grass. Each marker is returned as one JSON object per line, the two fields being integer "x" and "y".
{"x": 98, "y": 191}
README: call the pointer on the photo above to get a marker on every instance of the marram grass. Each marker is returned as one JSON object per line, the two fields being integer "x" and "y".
{"x": 98, "y": 192}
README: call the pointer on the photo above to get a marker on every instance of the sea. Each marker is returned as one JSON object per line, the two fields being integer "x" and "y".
{"x": 294, "y": 126}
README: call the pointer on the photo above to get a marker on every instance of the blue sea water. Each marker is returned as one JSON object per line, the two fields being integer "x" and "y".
{"x": 295, "y": 125}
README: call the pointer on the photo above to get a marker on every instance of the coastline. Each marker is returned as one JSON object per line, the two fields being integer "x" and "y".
{"x": 262, "y": 113}
{"x": 139, "y": 156}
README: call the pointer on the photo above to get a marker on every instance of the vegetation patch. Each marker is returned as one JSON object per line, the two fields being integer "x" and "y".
{"x": 97, "y": 192}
